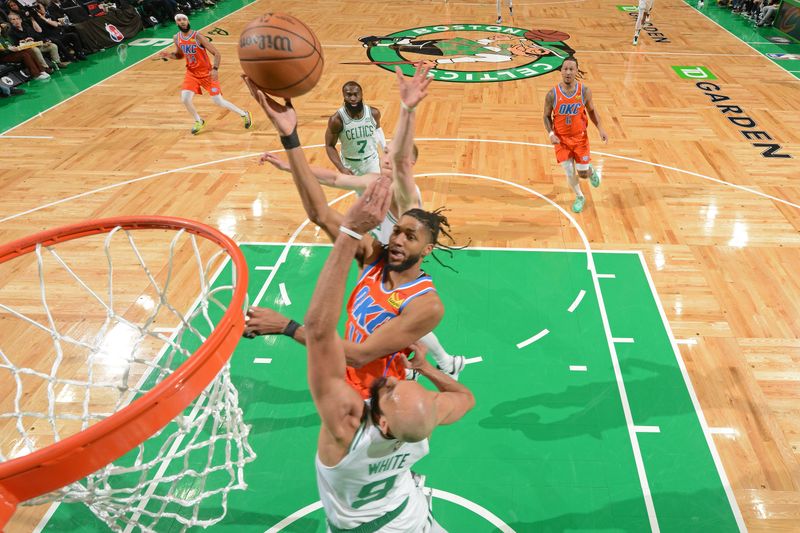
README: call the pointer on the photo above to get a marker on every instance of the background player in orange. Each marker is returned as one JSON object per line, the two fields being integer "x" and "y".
{"x": 200, "y": 73}
{"x": 394, "y": 303}
{"x": 565, "y": 109}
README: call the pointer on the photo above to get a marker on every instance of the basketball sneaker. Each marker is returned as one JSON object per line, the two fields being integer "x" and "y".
{"x": 594, "y": 179}
{"x": 458, "y": 364}
{"x": 499, "y": 20}
{"x": 248, "y": 120}
{"x": 635, "y": 39}
{"x": 198, "y": 127}
{"x": 577, "y": 205}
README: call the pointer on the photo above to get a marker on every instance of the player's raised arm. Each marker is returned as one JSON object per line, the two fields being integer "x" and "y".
{"x": 336, "y": 401}
{"x": 412, "y": 92}
{"x": 325, "y": 176}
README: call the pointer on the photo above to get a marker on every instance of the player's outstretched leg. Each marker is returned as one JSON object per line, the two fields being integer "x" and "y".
{"x": 220, "y": 101}
{"x": 499, "y": 12}
{"x": 449, "y": 364}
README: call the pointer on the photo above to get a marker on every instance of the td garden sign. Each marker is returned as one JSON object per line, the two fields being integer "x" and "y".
{"x": 471, "y": 53}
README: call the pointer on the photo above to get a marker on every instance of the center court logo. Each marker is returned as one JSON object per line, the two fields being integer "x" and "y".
{"x": 471, "y": 53}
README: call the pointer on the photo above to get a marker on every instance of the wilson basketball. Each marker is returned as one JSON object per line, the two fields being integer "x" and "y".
{"x": 546, "y": 35}
{"x": 281, "y": 55}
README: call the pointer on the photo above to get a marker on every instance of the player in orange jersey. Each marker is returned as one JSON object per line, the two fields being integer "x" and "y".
{"x": 565, "y": 110}
{"x": 200, "y": 73}
{"x": 394, "y": 303}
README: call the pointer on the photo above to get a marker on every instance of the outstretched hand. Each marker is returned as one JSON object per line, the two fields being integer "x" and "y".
{"x": 275, "y": 161}
{"x": 283, "y": 117}
{"x": 414, "y": 90}
{"x": 371, "y": 207}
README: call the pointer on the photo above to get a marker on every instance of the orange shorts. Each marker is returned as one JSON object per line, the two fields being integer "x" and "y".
{"x": 194, "y": 83}
{"x": 575, "y": 148}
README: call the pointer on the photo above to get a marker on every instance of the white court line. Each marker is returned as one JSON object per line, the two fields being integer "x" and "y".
{"x": 691, "y": 341}
{"x": 728, "y": 432}
{"x": 533, "y": 339}
{"x": 268, "y": 267}
{"x": 607, "y": 276}
{"x": 647, "y": 429}
{"x": 577, "y": 368}
{"x": 622, "y": 340}
{"x": 472, "y": 360}
{"x": 38, "y": 115}
{"x": 695, "y": 402}
{"x": 637, "y": 52}
{"x": 431, "y": 139}
{"x": 577, "y": 301}
{"x": 284, "y": 294}
{"x": 624, "y": 158}
{"x": 25, "y": 136}
{"x": 440, "y": 494}
{"x": 262, "y": 360}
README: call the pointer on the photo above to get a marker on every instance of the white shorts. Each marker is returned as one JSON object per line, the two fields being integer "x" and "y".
{"x": 646, "y": 5}
{"x": 368, "y": 165}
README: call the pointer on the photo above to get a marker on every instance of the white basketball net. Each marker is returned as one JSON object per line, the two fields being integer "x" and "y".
{"x": 81, "y": 338}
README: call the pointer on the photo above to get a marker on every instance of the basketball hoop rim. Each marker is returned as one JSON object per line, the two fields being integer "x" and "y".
{"x": 77, "y": 456}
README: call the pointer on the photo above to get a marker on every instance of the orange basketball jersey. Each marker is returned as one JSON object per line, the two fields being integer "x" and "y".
{"x": 569, "y": 113}
{"x": 370, "y": 306}
{"x": 197, "y": 61}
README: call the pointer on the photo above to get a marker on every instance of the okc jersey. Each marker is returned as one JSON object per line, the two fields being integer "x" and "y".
{"x": 369, "y": 307}
{"x": 359, "y": 146}
{"x": 197, "y": 61}
{"x": 371, "y": 488}
{"x": 569, "y": 113}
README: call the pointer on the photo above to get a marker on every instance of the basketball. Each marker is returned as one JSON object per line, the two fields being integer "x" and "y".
{"x": 281, "y": 55}
{"x": 546, "y": 35}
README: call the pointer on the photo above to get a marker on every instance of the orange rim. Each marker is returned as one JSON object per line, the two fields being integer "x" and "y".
{"x": 77, "y": 456}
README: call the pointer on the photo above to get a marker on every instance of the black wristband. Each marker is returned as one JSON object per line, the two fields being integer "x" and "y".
{"x": 291, "y": 328}
{"x": 290, "y": 141}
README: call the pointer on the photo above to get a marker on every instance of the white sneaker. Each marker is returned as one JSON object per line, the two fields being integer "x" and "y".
{"x": 458, "y": 364}
{"x": 43, "y": 76}
{"x": 499, "y": 20}
{"x": 411, "y": 374}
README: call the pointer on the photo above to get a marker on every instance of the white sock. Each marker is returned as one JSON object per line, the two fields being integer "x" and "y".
{"x": 443, "y": 359}
{"x": 186, "y": 98}
{"x": 220, "y": 101}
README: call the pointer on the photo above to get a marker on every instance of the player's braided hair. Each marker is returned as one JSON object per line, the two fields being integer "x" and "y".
{"x": 437, "y": 224}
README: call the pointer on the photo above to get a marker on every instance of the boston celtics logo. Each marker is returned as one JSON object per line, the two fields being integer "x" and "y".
{"x": 471, "y": 53}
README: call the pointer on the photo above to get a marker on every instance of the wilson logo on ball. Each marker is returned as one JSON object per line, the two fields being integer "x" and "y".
{"x": 267, "y": 42}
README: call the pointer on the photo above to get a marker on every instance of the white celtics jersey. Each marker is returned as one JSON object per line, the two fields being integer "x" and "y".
{"x": 372, "y": 488}
{"x": 385, "y": 228}
{"x": 359, "y": 147}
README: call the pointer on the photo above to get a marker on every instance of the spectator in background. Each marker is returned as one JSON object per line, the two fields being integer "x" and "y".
{"x": 6, "y": 91}
{"x": 768, "y": 12}
{"x": 20, "y": 33}
{"x": 11, "y": 54}
{"x": 53, "y": 30}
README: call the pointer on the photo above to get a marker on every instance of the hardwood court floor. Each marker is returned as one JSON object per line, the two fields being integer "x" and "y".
{"x": 718, "y": 223}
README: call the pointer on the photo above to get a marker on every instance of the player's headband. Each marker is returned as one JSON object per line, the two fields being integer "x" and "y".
{"x": 181, "y": 16}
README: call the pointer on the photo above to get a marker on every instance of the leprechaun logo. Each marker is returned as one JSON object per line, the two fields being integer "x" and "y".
{"x": 471, "y": 53}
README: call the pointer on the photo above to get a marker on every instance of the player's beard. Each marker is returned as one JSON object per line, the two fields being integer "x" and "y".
{"x": 187, "y": 29}
{"x": 355, "y": 109}
{"x": 405, "y": 265}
